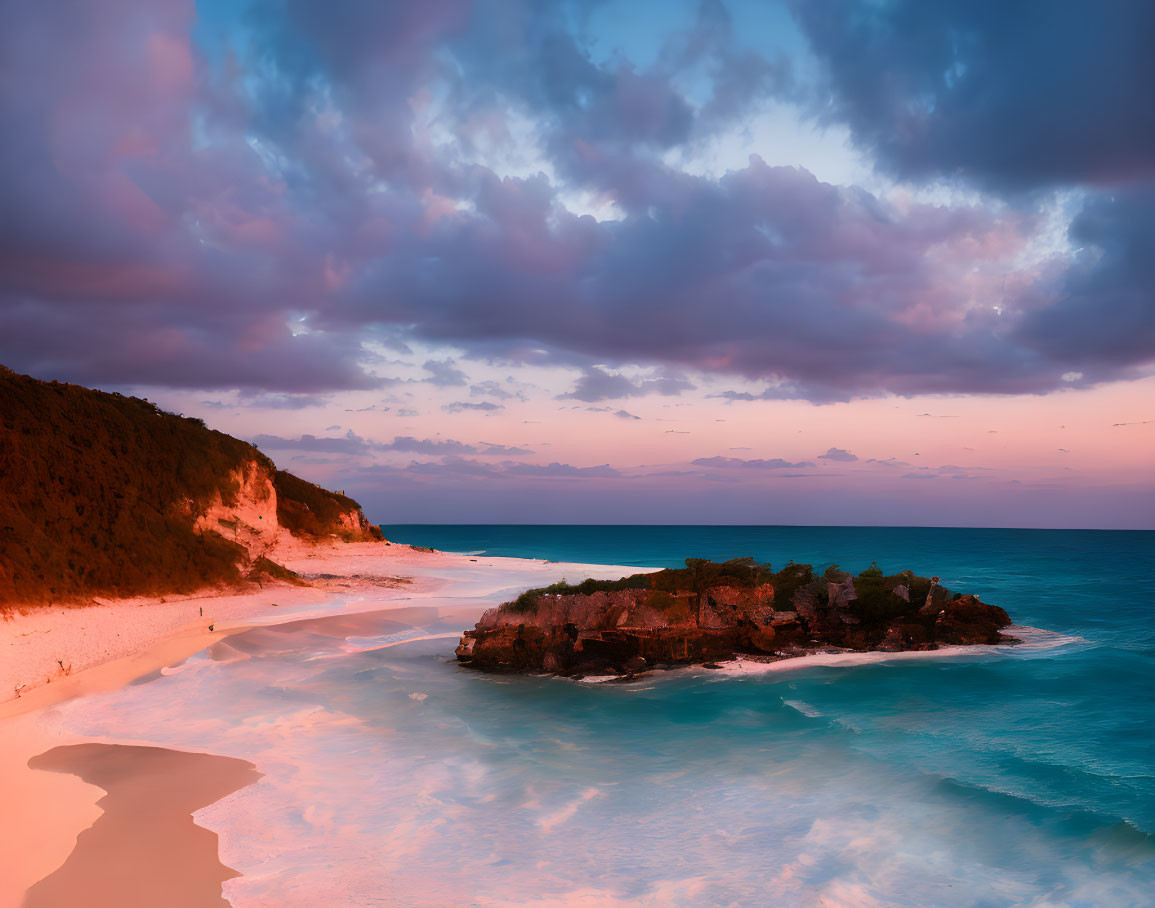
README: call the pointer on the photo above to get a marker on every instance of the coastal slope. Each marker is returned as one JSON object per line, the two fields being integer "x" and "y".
{"x": 708, "y": 611}
{"x": 110, "y": 496}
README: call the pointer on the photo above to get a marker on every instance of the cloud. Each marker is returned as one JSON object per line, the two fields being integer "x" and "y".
{"x": 744, "y": 275}
{"x": 941, "y": 91}
{"x": 271, "y": 401}
{"x": 605, "y": 471}
{"x": 625, "y": 414}
{"x": 413, "y": 445}
{"x": 599, "y": 384}
{"x": 264, "y": 218}
{"x": 839, "y": 455}
{"x": 940, "y": 94}
{"x": 461, "y": 406}
{"x": 486, "y": 447}
{"x": 1101, "y": 311}
{"x": 774, "y": 463}
{"x": 494, "y": 390}
{"x": 444, "y": 374}
{"x": 459, "y": 466}
{"x": 350, "y": 443}
{"x": 890, "y": 462}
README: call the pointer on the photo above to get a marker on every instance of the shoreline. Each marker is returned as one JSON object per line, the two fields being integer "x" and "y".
{"x": 36, "y": 845}
{"x": 110, "y": 651}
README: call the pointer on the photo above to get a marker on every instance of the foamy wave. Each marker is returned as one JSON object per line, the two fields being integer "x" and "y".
{"x": 805, "y": 708}
{"x": 365, "y": 644}
{"x": 352, "y": 645}
{"x": 1033, "y": 640}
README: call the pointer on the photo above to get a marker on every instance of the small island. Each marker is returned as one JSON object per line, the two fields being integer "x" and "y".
{"x": 708, "y": 612}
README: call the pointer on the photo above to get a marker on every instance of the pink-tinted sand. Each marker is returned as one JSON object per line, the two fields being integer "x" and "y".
{"x": 68, "y": 815}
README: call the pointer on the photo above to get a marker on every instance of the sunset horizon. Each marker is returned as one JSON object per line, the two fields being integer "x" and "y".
{"x": 567, "y": 263}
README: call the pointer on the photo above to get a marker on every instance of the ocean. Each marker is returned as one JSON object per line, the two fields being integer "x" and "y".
{"x": 394, "y": 776}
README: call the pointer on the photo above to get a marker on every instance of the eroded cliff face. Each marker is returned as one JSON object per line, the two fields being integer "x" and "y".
{"x": 701, "y": 614}
{"x": 248, "y": 515}
{"x": 249, "y": 506}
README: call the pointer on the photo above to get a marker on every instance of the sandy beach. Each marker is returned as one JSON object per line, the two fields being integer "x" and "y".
{"x": 111, "y": 799}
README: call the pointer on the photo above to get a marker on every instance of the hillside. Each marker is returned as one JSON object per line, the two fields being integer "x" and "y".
{"x": 106, "y": 495}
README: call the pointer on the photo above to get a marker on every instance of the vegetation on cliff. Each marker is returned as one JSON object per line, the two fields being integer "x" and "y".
{"x": 697, "y": 575}
{"x": 707, "y": 611}
{"x": 305, "y": 509}
{"x": 99, "y": 494}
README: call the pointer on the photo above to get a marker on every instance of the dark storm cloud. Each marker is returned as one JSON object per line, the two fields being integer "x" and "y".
{"x": 1104, "y": 309}
{"x": 250, "y": 220}
{"x": 1016, "y": 95}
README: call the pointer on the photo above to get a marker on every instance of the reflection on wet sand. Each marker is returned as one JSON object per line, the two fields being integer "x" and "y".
{"x": 145, "y": 850}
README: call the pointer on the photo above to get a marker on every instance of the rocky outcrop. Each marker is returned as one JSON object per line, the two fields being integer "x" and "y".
{"x": 708, "y": 612}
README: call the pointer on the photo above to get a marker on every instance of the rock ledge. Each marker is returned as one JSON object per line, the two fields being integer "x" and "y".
{"x": 707, "y": 612}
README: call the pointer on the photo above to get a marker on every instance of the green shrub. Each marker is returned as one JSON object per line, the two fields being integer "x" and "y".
{"x": 526, "y": 603}
{"x": 305, "y": 509}
{"x": 789, "y": 580}
{"x": 700, "y": 574}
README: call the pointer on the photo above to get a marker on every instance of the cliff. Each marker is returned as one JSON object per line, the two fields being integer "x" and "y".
{"x": 707, "y": 612}
{"x": 106, "y": 495}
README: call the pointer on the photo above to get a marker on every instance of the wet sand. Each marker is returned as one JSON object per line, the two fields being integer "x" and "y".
{"x": 144, "y": 850}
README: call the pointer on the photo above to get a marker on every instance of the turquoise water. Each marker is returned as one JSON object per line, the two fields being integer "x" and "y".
{"x": 394, "y": 776}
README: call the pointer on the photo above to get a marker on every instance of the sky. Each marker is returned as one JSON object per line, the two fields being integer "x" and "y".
{"x": 881, "y": 262}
